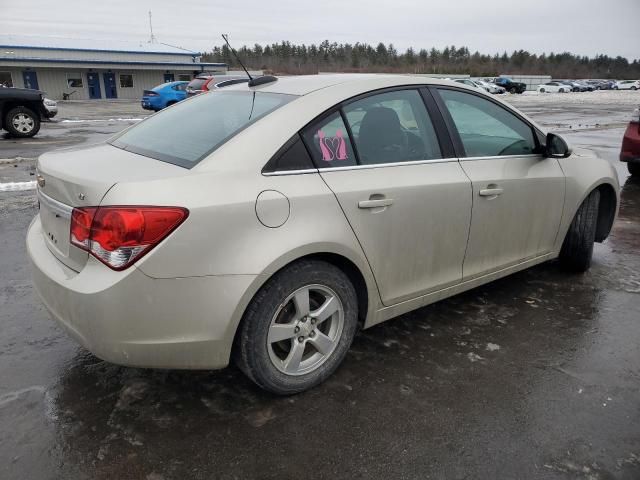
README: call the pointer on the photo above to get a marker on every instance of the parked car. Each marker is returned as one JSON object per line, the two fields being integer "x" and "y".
{"x": 51, "y": 106}
{"x": 584, "y": 86}
{"x": 511, "y": 86}
{"x": 164, "y": 95}
{"x": 599, "y": 84}
{"x": 630, "y": 151}
{"x": 573, "y": 86}
{"x": 194, "y": 236}
{"x": 490, "y": 87}
{"x": 205, "y": 83}
{"x": 554, "y": 87}
{"x": 627, "y": 85}
{"x": 469, "y": 83}
{"x": 21, "y": 110}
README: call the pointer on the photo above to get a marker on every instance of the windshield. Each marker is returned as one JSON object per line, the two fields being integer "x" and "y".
{"x": 189, "y": 131}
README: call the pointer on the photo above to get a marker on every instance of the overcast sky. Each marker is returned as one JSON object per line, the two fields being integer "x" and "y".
{"x": 585, "y": 27}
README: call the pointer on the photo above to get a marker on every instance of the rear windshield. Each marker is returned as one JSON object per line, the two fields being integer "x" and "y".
{"x": 197, "y": 83}
{"x": 190, "y": 130}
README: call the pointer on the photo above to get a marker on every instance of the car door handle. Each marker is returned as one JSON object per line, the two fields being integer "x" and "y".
{"x": 491, "y": 192}
{"x": 377, "y": 203}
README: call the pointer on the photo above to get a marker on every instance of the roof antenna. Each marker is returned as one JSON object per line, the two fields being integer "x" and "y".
{"x": 226, "y": 39}
{"x": 152, "y": 38}
{"x": 253, "y": 82}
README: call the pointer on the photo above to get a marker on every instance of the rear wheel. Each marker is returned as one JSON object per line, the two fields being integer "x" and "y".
{"x": 542, "y": 90}
{"x": 577, "y": 248}
{"x": 634, "y": 168}
{"x": 298, "y": 327}
{"x": 22, "y": 122}
{"x": 513, "y": 90}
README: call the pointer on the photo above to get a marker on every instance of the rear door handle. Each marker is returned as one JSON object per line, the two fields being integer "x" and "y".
{"x": 491, "y": 192}
{"x": 381, "y": 202}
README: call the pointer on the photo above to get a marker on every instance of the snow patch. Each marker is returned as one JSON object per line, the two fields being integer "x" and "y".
{"x": 474, "y": 357}
{"x": 17, "y": 186}
{"x": 492, "y": 347}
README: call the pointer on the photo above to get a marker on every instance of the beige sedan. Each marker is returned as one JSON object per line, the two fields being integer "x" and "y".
{"x": 268, "y": 223}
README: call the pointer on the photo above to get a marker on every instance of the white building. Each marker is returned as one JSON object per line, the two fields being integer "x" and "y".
{"x": 80, "y": 69}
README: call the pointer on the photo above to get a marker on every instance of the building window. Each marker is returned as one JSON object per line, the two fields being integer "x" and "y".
{"x": 74, "y": 80}
{"x": 5, "y": 79}
{"x": 126, "y": 80}
{"x": 184, "y": 77}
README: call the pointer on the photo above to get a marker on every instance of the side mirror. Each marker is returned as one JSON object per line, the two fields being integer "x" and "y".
{"x": 557, "y": 147}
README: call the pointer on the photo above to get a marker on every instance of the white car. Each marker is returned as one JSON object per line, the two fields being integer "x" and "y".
{"x": 51, "y": 106}
{"x": 469, "y": 83}
{"x": 554, "y": 87}
{"x": 268, "y": 221}
{"x": 627, "y": 85}
{"x": 490, "y": 87}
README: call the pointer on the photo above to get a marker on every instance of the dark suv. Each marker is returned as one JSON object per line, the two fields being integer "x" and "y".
{"x": 510, "y": 85}
{"x": 21, "y": 110}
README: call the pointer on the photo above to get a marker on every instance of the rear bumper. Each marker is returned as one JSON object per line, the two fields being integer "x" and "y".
{"x": 132, "y": 319}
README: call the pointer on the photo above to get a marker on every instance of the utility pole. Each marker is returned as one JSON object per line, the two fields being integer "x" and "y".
{"x": 152, "y": 38}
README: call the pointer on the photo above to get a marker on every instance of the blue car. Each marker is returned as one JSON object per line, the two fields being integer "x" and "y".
{"x": 164, "y": 95}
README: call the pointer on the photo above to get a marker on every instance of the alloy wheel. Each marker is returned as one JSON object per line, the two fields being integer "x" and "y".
{"x": 23, "y": 123}
{"x": 305, "y": 330}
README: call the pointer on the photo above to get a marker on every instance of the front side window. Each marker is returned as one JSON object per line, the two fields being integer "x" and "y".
{"x": 328, "y": 142}
{"x": 189, "y": 131}
{"x": 392, "y": 127}
{"x": 486, "y": 129}
{"x": 126, "y": 80}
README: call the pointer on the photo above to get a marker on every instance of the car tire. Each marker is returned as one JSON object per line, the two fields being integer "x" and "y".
{"x": 634, "y": 169}
{"x": 542, "y": 90}
{"x": 561, "y": 90}
{"x": 22, "y": 122}
{"x": 634, "y": 88}
{"x": 274, "y": 357}
{"x": 577, "y": 248}
{"x": 512, "y": 90}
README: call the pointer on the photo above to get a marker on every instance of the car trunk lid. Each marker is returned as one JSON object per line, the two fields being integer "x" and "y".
{"x": 81, "y": 178}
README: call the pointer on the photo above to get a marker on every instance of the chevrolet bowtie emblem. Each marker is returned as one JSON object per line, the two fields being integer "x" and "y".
{"x": 40, "y": 180}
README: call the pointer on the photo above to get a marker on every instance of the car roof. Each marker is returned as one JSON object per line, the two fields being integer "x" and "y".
{"x": 305, "y": 84}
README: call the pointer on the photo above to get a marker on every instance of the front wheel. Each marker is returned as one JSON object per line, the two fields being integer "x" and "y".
{"x": 634, "y": 169}
{"x": 577, "y": 248}
{"x": 541, "y": 90}
{"x": 634, "y": 88}
{"x": 22, "y": 122}
{"x": 298, "y": 328}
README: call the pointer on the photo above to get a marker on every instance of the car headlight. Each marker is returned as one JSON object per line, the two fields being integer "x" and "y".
{"x": 50, "y": 103}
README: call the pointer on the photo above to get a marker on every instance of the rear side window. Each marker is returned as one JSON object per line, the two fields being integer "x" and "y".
{"x": 328, "y": 142}
{"x": 392, "y": 127}
{"x": 188, "y": 132}
{"x": 197, "y": 83}
{"x": 486, "y": 129}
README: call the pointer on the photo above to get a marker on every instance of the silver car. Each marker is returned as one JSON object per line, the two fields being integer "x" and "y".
{"x": 268, "y": 223}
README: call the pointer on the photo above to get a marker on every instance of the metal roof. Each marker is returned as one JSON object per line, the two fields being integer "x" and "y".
{"x": 86, "y": 44}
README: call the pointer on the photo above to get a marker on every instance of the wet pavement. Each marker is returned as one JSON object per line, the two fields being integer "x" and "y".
{"x": 535, "y": 376}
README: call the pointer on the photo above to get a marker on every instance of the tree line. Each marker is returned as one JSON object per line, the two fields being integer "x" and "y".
{"x": 290, "y": 58}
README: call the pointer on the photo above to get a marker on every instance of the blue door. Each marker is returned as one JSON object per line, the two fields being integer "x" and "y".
{"x": 30, "y": 79}
{"x": 168, "y": 77}
{"x": 93, "y": 80}
{"x": 110, "y": 90}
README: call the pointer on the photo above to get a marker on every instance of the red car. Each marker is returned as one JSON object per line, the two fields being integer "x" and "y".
{"x": 630, "y": 151}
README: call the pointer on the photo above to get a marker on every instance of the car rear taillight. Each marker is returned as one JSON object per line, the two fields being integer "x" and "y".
{"x": 150, "y": 93}
{"x": 635, "y": 116}
{"x": 119, "y": 236}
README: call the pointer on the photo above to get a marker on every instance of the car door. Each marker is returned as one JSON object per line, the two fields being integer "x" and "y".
{"x": 408, "y": 205}
{"x": 518, "y": 194}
